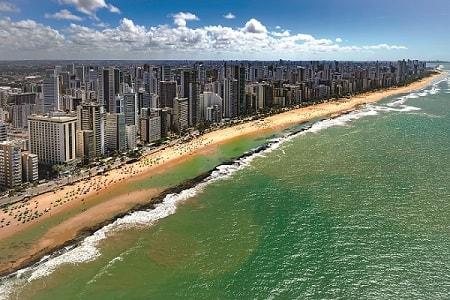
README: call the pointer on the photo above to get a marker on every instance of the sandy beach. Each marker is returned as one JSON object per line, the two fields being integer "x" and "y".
{"x": 23, "y": 216}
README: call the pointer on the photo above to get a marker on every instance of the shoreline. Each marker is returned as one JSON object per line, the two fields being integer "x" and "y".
{"x": 63, "y": 235}
{"x": 187, "y": 184}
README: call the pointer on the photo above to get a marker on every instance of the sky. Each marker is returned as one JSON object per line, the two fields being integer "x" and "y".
{"x": 225, "y": 29}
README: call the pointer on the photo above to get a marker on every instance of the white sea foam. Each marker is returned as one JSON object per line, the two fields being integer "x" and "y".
{"x": 412, "y": 96}
{"x": 399, "y": 104}
{"x": 343, "y": 120}
{"x": 88, "y": 249}
{"x": 434, "y": 91}
{"x": 105, "y": 269}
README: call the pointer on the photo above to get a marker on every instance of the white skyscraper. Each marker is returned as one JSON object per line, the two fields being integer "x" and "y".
{"x": 52, "y": 138}
{"x": 209, "y": 100}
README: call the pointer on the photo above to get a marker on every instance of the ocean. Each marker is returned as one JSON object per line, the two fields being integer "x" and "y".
{"x": 352, "y": 207}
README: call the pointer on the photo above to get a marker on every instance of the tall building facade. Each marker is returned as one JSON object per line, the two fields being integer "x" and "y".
{"x": 91, "y": 117}
{"x": 50, "y": 91}
{"x": 210, "y": 104}
{"x": 131, "y": 108}
{"x": 3, "y": 134}
{"x": 239, "y": 76}
{"x": 30, "y": 171}
{"x": 10, "y": 165}
{"x": 150, "y": 125}
{"x": 230, "y": 98}
{"x": 191, "y": 89}
{"x": 20, "y": 113}
{"x": 131, "y": 134}
{"x": 115, "y": 135}
{"x": 167, "y": 93}
{"x": 52, "y": 138}
{"x": 109, "y": 87}
{"x": 181, "y": 114}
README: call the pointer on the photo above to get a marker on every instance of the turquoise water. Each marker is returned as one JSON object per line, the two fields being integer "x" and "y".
{"x": 357, "y": 207}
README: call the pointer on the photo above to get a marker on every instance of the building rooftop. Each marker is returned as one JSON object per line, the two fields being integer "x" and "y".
{"x": 57, "y": 119}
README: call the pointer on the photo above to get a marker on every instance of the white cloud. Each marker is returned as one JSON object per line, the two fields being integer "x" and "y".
{"x": 384, "y": 47}
{"x": 90, "y": 7}
{"x": 27, "y": 35}
{"x": 281, "y": 34}
{"x": 101, "y": 25}
{"x": 114, "y": 9}
{"x": 254, "y": 26}
{"x": 180, "y": 19}
{"x": 338, "y": 40}
{"x": 130, "y": 40}
{"x": 6, "y": 6}
{"x": 229, "y": 16}
{"x": 64, "y": 14}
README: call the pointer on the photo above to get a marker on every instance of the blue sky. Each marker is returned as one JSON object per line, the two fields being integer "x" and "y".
{"x": 198, "y": 29}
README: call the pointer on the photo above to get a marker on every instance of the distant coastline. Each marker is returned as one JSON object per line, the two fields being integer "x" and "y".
{"x": 72, "y": 230}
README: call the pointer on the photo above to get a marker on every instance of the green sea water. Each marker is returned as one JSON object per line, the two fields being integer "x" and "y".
{"x": 355, "y": 208}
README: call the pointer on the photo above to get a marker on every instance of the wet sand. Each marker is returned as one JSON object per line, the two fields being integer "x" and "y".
{"x": 26, "y": 215}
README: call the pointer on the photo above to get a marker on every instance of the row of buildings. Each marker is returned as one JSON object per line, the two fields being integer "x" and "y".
{"x": 78, "y": 113}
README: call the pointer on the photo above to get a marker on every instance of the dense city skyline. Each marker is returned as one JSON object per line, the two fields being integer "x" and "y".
{"x": 69, "y": 116}
{"x": 114, "y": 29}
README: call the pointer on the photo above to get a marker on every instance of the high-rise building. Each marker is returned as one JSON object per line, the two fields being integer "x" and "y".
{"x": 10, "y": 165}
{"x": 131, "y": 134}
{"x": 154, "y": 128}
{"x": 115, "y": 139}
{"x": 109, "y": 87}
{"x": 194, "y": 103}
{"x": 20, "y": 113}
{"x": 239, "y": 75}
{"x": 131, "y": 108}
{"x": 30, "y": 171}
{"x": 209, "y": 100}
{"x": 166, "y": 73}
{"x": 166, "y": 121}
{"x": 181, "y": 114}
{"x": 150, "y": 82}
{"x": 50, "y": 90}
{"x": 91, "y": 117}
{"x": 213, "y": 114}
{"x": 264, "y": 95}
{"x": 190, "y": 88}
{"x": 167, "y": 93}
{"x": 230, "y": 98}
{"x": 147, "y": 80}
{"x": 52, "y": 138}
{"x": 3, "y": 134}
{"x": 150, "y": 125}
{"x": 85, "y": 148}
